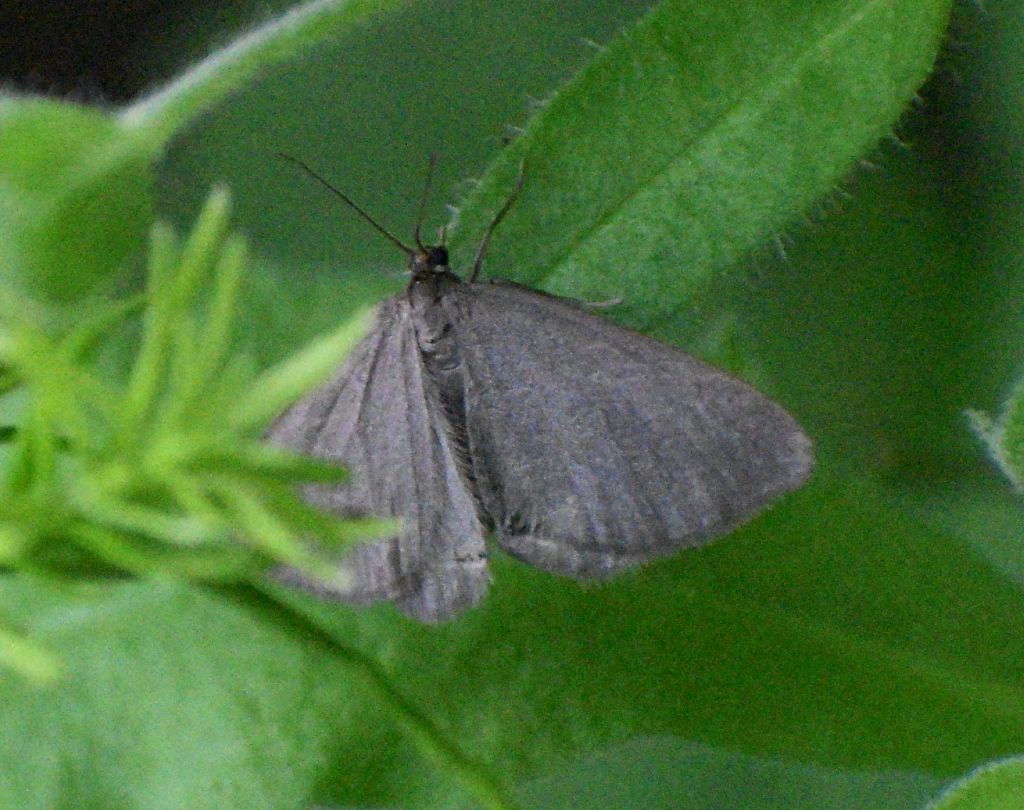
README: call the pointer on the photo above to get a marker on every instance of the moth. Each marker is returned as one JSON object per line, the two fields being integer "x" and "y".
{"x": 476, "y": 406}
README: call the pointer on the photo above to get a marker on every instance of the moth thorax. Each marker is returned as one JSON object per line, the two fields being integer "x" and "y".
{"x": 432, "y": 316}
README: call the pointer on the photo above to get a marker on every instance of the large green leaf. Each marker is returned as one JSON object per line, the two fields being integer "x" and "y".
{"x": 695, "y": 137}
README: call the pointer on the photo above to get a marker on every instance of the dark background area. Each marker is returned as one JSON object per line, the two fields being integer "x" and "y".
{"x": 81, "y": 50}
{"x": 92, "y": 51}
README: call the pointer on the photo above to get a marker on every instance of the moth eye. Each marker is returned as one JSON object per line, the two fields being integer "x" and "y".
{"x": 437, "y": 257}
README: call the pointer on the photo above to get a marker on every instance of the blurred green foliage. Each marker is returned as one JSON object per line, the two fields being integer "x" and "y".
{"x": 857, "y": 646}
{"x": 996, "y": 786}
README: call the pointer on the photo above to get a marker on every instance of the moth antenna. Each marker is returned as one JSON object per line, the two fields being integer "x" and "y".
{"x": 443, "y": 235}
{"x": 345, "y": 198}
{"x": 480, "y": 251}
{"x": 423, "y": 201}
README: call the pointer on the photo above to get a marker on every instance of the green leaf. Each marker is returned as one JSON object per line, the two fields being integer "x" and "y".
{"x": 283, "y": 384}
{"x": 150, "y": 475}
{"x": 994, "y": 786}
{"x": 74, "y": 199}
{"x": 37, "y": 665}
{"x": 693, "y": 138}
{"x": 1004, "y": 437}
{"x": 283, "y": 465}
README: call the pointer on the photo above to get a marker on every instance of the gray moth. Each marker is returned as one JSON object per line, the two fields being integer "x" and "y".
{"x": 484, "y": 406}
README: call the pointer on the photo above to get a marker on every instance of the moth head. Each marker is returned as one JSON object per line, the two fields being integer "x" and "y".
{"x": 429, "y": 259}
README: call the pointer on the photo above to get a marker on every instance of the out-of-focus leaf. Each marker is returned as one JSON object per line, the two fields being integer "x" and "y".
{"x": 993, "y": 786}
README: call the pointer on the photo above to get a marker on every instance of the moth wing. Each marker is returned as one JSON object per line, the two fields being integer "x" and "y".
{"x": 595, "y": 448}
{"x": 373, "y": 417}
